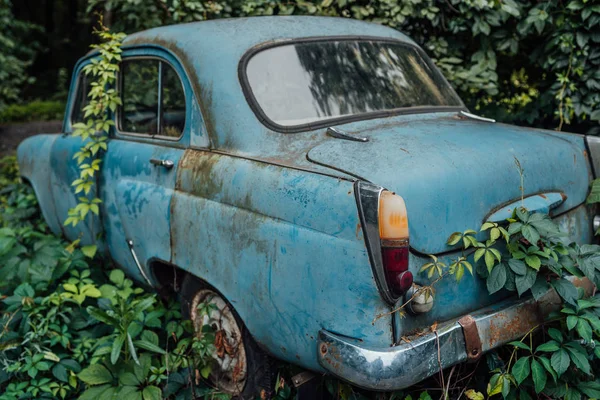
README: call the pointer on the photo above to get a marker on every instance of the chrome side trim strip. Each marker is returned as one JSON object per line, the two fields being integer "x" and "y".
{"x": 475, "y": 117}
{"x": 137, "y": 262}
{"x": 339, "y": 134}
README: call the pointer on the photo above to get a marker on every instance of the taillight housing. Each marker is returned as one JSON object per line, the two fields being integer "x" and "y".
{"x": 385, "y": 223}
{"x": 393, "y": 234}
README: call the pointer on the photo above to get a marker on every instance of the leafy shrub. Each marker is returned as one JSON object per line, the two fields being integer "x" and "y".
{"x": 37, "y": 110}
{"x": 15, "y": 55}
{"x": 71, "y": 327}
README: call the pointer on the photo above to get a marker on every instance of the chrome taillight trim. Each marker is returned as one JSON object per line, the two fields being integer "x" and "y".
{"x": 593, "y": 145}
{"x": 367, "y": 199}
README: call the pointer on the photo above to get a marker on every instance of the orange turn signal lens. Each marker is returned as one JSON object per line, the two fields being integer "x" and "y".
{"x": 393, "y": 219}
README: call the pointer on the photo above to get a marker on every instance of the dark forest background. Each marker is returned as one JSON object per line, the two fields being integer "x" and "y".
{"x": 524, "y": 62}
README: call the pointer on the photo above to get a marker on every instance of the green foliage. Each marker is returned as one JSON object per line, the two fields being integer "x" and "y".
{"x": 530, "y": 256}
{"x": 37, "y": 110}
{"x": 16, "y": 54}
{"x": 529, "y": 63}
{"x": 68, "y": 330}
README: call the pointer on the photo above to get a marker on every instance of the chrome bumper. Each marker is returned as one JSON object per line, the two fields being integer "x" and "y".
{"x": 398, "y": 367}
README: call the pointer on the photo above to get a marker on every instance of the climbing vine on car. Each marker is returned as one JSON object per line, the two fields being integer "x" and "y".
{"x": 103, "y": 99}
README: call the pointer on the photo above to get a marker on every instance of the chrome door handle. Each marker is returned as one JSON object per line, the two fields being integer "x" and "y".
{"x": 168, "y": 164}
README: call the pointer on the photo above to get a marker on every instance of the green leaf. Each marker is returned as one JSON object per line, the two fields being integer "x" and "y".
{"x": 560, "y": 361}
{"x": 584, "y": 329}
{"x": 89, "y": 251}
{"x": 128, "y": 379}
{"x": 520, "y": 345}
{"x": 590, "y": 389}
{"x": 539, "y": 375}
{"x": 454, "y": 238}
{"x": 555, "y": 334}
{"x": 548, "y": 367}
{"x": 580, "y": 360}
{"x": 540, "y": 287}
{"x": 533, "y": 261}
{"x": 94, "y": 393}
{"x": 95, "y": 374}
{"x": 143, "y": 344}
{"x": 517, "y": 266}
{"x": 152, "y": 393}
{"x": 525, "y": 282}
{"x": 497, "y": 278}
{"x": 116, "y": 348}
{"x": 530, "y": 233}
{"x": 117, "y": 277}
{"x": 521, "y": 369}
{"x": 566, "y": 290}
{"x": 550, "y": 346}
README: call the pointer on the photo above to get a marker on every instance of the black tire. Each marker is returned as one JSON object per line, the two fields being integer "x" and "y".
{"x": 261, "y": 371}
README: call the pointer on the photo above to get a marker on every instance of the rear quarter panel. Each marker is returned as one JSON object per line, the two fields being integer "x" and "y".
{"x": 284, "y": 246}
{"x": 33, "y": 155}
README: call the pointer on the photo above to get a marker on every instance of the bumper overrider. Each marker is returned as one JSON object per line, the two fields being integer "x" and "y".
{"x": 398, "y": 367}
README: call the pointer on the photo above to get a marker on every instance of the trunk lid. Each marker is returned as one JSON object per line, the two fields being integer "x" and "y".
{"x": 454, "y": 173}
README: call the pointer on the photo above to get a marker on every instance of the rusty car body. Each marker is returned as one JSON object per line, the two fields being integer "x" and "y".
{"x": 269, "y": 186}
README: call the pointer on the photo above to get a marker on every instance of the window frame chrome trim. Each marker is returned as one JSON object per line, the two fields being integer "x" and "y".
{"x": 117, "y": 112}
{"x": 265, "y": 120}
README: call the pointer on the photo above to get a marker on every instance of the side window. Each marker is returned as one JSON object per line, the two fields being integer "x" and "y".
{"x": 153, "y": 99}
{"x": 139, "y": 92}
{"x": 81, "y": 99}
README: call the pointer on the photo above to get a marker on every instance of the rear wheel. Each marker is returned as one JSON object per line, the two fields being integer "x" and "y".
{"x": 239, "y": 366}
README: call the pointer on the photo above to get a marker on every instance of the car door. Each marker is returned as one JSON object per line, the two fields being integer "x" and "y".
{"x": 140, "y": 167}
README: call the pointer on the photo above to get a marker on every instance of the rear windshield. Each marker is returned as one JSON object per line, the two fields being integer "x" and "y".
{"x": 309, "y": 82}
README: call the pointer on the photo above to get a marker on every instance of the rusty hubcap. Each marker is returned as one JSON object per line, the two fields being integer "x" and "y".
{"x": 229, "y": 370}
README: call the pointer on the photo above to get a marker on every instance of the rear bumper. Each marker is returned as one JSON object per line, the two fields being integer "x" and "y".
{"x": 401, "y": 366}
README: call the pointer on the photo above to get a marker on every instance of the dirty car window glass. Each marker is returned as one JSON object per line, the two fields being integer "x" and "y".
{"x": 139, "y": 113}
{"x": 308, "y": 82}
{"x": 173, "y": 103}
{"x": 81, "y": 100}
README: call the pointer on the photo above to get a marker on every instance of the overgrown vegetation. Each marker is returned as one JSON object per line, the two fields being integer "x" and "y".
{"x": 15, "y": 55}
{"x": 71, "y": 327}
{"x": 523, "y": 62}
{"x": 36, "y": 110}
{"x": 557, "y": 359}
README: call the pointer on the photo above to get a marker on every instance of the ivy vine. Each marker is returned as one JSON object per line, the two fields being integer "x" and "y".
{"x": 103, "y": 101}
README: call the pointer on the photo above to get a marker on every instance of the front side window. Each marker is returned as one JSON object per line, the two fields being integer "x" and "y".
{"x": 309, "y": 82}
{"x": 153, "y": 99}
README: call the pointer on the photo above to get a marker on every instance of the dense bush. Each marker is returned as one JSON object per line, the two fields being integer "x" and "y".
{"x": 523, "y": 62}
{"x": 15, "y": 55}
{"x": 72, "y": 327}
{"x": 37, "y": 110}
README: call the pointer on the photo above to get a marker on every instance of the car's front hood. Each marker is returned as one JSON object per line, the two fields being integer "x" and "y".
{"x": 453, "y": 173}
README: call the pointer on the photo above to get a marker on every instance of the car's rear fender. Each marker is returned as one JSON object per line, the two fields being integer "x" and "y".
{"x": 33, "y": 155}
{"x": 284, "y": 246}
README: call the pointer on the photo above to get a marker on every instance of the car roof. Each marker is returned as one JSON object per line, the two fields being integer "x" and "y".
{"x": 210, "y": 52}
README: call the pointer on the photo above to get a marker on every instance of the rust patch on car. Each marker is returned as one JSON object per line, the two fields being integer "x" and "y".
{"x": 358, "y": 231}
{"x": 563, "y": 196}
{"x": 543, "y": 196}
{"x": 504, "y": 329}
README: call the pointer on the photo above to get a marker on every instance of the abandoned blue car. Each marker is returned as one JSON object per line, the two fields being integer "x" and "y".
{"x": 296, "y": 172}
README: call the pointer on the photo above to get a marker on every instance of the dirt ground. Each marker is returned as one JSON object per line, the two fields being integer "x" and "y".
{"x": 13, "y": 134}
